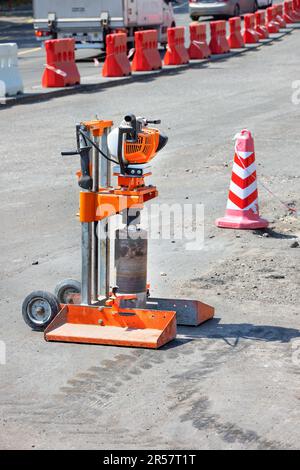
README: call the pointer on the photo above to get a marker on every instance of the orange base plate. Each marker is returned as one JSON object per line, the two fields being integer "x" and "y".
{"x": 129, "y": 327}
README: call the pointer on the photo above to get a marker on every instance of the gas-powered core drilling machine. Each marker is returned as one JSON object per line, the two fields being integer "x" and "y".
{"x": 90, "y": 311}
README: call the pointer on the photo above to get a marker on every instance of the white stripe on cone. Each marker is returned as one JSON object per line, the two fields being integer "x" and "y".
{"x": 244, "y": 172}
{"x": 243, "y": 193}
{"x": 253, "y": 206}
{"x": 244, "y": 155}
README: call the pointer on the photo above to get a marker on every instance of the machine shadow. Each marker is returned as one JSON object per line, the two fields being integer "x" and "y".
{"x": 231, "y": 333}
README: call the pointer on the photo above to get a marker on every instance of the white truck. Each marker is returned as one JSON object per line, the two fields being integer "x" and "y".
{"x": 89, "y": 21}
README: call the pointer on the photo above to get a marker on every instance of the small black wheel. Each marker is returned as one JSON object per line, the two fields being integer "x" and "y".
{"x": 64, "y": 290}
{"x": 255, "y": 6}
{"x": 39, "y": 309}
{"x": 195, "y": 17}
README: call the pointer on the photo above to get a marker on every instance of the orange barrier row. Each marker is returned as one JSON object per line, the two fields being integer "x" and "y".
{"x": 176, "y": 53}
{"x": 235, "y": 38}
{"x": 218, "y": 42}
{"x": 198, "y": 48}
{"x": 61, "y": 69}
{"x": 250, "y": 35}
{"x": 146, "y": 55}
{"x": 260, "y": 24}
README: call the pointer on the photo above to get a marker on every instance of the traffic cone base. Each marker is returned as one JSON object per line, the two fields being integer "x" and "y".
{"x": 241, "y": 220}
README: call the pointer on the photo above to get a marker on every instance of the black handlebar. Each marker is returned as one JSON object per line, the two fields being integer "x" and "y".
{"x": 85, "y": 180}
{"x": 68, "y": 153}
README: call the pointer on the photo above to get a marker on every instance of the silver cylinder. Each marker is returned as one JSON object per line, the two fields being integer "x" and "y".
{"x": 131, "y": 246}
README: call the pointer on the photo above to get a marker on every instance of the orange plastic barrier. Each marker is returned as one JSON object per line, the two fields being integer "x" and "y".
{"x": 250, "y": 35}
{"x": 235, "y": 38}
{"x": 198, "y": 48}
{"x": 61, "y": 69}
{"x": 288, "y": 14}
{"x": 176, "y": 53}
{"x": 279, "y": 15}
{"x": 296, "y": 9}
{"x": 272, "y": 25}
{"x": 146, "y": 55}
{"x": 260, "y": 25}
{"x": 218, "y": 42}
{"x": 116, "y": 62}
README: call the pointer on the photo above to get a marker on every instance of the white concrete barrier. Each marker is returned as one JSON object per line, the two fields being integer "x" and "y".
{"x": 10, "y": 78}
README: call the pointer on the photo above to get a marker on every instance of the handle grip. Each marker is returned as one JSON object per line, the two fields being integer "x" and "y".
{"x": 68, "y": 153}
{"x": 153, "y": 121}
{"x": 85, "y": 181}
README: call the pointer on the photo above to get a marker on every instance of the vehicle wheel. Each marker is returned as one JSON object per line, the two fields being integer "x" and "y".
{"x": 264, "y": 7}
{"x": 65, "y": 288}
{"x": 255, "y": 6}
{"x": 39, "y": 309}
{"x": 236, "y": 10}
{"x": 195, "y": 17}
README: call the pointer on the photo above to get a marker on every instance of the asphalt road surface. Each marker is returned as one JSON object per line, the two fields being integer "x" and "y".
{"x": 232, "y": 383}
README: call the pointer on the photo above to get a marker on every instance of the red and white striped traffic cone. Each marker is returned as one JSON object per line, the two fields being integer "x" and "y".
{"x": 242, "y": 206}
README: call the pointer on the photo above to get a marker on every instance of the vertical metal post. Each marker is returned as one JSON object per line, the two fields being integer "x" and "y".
{"x": 86, "y": 256}
{"x": 104, "y": 242}
{"x": 95, "y": 249}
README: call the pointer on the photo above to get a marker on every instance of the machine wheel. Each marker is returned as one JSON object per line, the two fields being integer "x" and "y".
{"x": 39, "y": 309}
{"x": 267, "y": 6}
{"x": 195, "y": 17}
{"x": 65, "y": 288}
{"x": 255, "y": 6}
